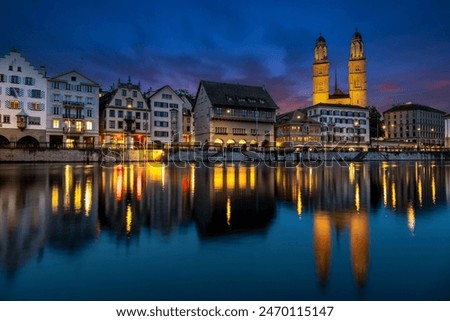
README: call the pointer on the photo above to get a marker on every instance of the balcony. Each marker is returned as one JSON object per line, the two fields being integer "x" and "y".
{"x": 129, "y": 128}
{"x": 73, "y": 116}
{"x": 73, "y": 104}
{"x": 73, "y": 130}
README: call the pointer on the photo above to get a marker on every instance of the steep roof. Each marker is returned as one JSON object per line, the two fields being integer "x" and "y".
{"x": 235, "y": 95}
{"x": 411, "y": 106}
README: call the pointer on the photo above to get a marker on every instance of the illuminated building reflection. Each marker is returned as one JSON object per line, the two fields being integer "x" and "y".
{"x": 231, "y": 198}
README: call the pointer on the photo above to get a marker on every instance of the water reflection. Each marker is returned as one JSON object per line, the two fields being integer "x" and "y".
{"x": 67, "y": 208}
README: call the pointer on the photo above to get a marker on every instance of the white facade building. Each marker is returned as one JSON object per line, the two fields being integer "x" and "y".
{"x": 23, "y": 104}
{"x": 166, "y": 115}
{"x": 341, "y": 123}
{"x": 73, "y": 113}
{"x": 447, "y": 130}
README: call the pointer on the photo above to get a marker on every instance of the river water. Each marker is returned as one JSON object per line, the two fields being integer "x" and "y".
{"x": 357, "y": 231}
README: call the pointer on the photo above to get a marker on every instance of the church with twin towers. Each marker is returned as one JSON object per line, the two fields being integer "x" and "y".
{"x": 357, "y": 75}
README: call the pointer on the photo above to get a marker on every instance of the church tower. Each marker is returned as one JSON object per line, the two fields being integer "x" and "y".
{"x": 357, "y": 75}
{"x": 321, "y": 72}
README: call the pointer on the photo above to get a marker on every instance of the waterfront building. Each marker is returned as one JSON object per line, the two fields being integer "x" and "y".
{"x": 73, "y": 113}
{"x": 233, "y": 114}
{"x": 357, "y": 75}
{"x": 124, "y": 116}
{"x": 187, "y": 125}
{"x": 188, "y": 119}
{"x": 23, "y": 103}
{"x": 447, "y": 130}
{"x": 342, "y": 123}
{"x": 166, "y": 115}
{"x": 413, "y": 125}
{"x": 295, "y": 128}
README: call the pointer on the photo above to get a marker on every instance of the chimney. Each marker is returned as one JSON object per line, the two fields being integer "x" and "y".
{"x": 42, "y": 71}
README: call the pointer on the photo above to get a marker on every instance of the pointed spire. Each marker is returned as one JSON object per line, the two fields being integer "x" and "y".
{"x": 129, "y": 79}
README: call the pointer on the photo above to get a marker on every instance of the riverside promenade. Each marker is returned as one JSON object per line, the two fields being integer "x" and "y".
{"x": 217, "y": 155}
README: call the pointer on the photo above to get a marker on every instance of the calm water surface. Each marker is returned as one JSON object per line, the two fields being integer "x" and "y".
{"x": 367, "y": 231}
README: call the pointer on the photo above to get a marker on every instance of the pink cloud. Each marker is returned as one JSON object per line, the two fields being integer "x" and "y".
{"x": 439, "y": 84}
{"x": 389, "y": 87}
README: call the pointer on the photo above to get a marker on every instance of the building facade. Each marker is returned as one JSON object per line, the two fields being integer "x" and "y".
{"x": 23, "y": 102}
{"x": 414, "y": 125}
{"x": 124, "y": 117}
{"x": 166, "y": 115}
{"x": 447, "y": 130}
{"x": 357, "y": 75}
{"x": 73, "y": 113}
{"x": 232, "y": 114}
{"x": 296, "y": 129}
{"x": 347, "y": 124}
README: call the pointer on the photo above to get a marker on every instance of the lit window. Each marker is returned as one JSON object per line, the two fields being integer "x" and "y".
{"x": 55, "y": 123}
{"x": 89, "y": 125}
{"x": 14, "y": 104}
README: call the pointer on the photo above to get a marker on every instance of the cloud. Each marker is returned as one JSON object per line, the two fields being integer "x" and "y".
{"x": 439, "y": 84}
{"x": 389, "y": 87}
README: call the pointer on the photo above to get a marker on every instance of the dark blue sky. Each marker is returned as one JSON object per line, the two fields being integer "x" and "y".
{"x": 407, "y": 43}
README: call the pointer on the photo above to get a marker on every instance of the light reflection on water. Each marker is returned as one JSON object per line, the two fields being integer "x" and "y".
{"x": 229, "y": 232}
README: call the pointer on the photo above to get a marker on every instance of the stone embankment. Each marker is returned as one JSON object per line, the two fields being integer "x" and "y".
{"x": 110, "y": 156}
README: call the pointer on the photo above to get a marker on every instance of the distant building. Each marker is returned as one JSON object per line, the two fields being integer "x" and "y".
{"x": 232, "y": 114}
{"x": 341, "y": 123}
{"x": 23, "y": 102}
{"x": 188, "y": 119}
{"x": 166, "y": 115}
{"x": 295, "y": 128}
{"x": 124, "y": 117}
{"x": 73, "y": 113}
{"x": 447, "y": 130}
{"x": 415, "y": 125}
{"x": 357, "y": 75}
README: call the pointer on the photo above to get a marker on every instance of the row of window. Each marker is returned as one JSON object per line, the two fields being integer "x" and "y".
{"x": 337, "y": 113}
{"x": 129, "y": 114}
{"x": 416, "y": 114}
{"x": 343, "y": 120}
{"x": 19, "y": 92}
{"x": 67, "y": 111}
{"x": 31, "y": 120}
{"x": 78, "y": 125}
{"x": 125, "y": 93}
{"x": 16, "y": 104}
{"x": 236, "y": 131}
{"x": 78, "y": 99}
{"x": 161, "y": 123}
{"x": 244, "y": 113}
{"x": 120, "y": 125}
{"x": 165, "y": 105}
{"x": 161, "y": 113}
{"x": 129, "y": 103}
{"x": 13, "y": 79}
{"x": 246, "y": 99}
{"x": 66, "y": 86}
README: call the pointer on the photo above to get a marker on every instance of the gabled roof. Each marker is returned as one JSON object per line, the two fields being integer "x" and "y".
{"x": 77, "y": 72}
{"x": 235, "y": 95}
{"x": 411, "y": 106}
{"x": 164, "y": 87}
